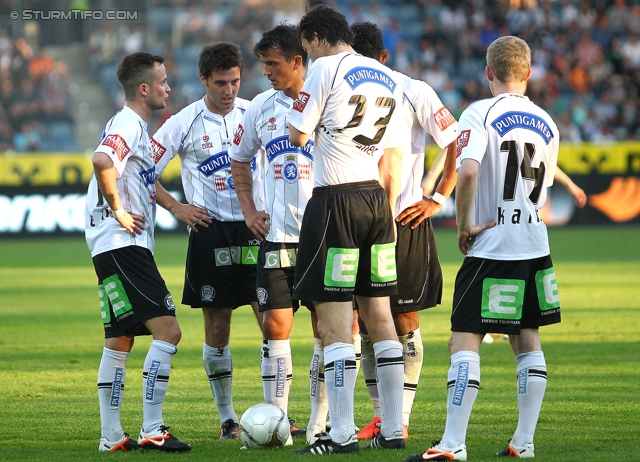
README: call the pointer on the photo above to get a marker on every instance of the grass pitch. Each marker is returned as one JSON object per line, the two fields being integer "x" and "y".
{"x": 51, "y": 343}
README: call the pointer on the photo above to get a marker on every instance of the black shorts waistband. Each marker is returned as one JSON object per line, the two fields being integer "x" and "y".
{"x": 346, "y": 187}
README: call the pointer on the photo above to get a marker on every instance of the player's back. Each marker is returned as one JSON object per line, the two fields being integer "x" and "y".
{"x": 520, "y": 144}
{"x": 355, "y": 103}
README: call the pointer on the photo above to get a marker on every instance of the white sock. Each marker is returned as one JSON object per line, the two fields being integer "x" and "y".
{"x": 276, "y": 372}
{"x": 532, "y": 381}
{"x": 357, "y": 345}
{"x": 369, "y": 372}
{"x": 219, "y": 367}
{"x": 412, "y": 353}
{"x": 155, "y": 381}
{"x": 462, "y": 390}
{"x": 390, "y": 371}
{"x": 340, "y": 378}
{"x": 317, "y": 389}
{"x": 111, "y": 376}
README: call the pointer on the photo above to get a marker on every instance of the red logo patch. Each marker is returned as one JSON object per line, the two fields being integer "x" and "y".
{"x": 272, "y": 120}
{"x": 463, "y": 140}
{"x": 205, "y": 138}
{"x": 117, "y": 143}
{"x": 158, "y": 150}
{"x": 444, "y": 118}
{"x": 300, "y": 103}
{"x": 237, "y": 136}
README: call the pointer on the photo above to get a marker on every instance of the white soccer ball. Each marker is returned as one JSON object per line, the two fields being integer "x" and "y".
{"x": 264, "y": 426}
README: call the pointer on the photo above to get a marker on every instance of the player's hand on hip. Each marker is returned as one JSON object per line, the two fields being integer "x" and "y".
{"x": 132, "y": 223}
{"x": 258, "y": 222}
{"x": 418, "y": 212}
{"x": 467, "y": 235}
{"x": 192, "y": 216}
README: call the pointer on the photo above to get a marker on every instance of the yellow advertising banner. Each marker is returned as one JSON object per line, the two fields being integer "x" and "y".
{"x": 583, "y": 158}
{"x": 55, "y": 169}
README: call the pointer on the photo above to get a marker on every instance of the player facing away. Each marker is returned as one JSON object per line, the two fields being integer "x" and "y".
{"x": 287, "y": 186}
{"x": 119, "y": 220}
{"x": 351, "y": 105}
{"x": 507, "y": 151}
{"x": 222, "y": 253}
{"x": 418, "y": 267}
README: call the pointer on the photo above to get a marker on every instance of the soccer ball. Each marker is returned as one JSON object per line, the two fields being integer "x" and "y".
{"x": 264, "y": 426}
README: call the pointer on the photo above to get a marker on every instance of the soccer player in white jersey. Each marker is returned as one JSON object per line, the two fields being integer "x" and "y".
{"x": 507, "y": 150}
{"x": 288, "y": 182}
{"x": 222, "y": 253}
{"x": 134, "y": 300}
{"x": 418, "y": 267}
{"x": 352, "y": 106}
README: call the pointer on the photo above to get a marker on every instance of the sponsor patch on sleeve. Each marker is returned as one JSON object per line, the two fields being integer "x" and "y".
{"x": 158, "y": 150}
{"x": 463, "y": 140}
{"x": 444, "y": 119}
{"x": 301, "y": 102}
{"x": 237, "y": 136}
{"x": 118, "y": 144}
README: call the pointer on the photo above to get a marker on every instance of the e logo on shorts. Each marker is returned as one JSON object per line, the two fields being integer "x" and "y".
{"x": 341, "y": 267}
{"x": 547, "y": 288}
{"x": 383, "y": 262}
{"x": 114, "y": 291}
{"x": 502, "y": 298}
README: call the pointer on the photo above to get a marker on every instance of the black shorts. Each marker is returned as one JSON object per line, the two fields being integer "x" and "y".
{"x": 131, "y": 291}
{"x": 501, "y": 296}
{"x": 346, "y": 244}
{"x": 419, "y": 271}
{"x": 221, "y": 266}
{"x": 276, "y": 268}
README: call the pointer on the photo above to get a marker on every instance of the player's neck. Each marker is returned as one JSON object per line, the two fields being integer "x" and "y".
{"x": 500, "y": 88}
{"x": 140, "y": 108}
{"x": 294, "y": 90}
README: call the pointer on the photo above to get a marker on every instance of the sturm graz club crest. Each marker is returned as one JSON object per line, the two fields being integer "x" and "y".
{"x": 290, "y": 170}
{"x": 207, "y": 293}
{"x": 168, "y": 302}
{"x": 262, "y": 294}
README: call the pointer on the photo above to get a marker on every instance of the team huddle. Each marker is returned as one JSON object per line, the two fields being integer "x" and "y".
{"x": 311, "y": 195}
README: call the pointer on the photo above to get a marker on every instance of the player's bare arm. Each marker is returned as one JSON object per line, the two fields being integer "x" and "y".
{"x": 297, "y": 138}
{"x": 428, "y": 207}
{"x": 465, "y": 197}
{"x": 243, "y": 181}
{"x": 576, "y": 191}
{"x": 106, "y": 177}
{"x": 187, "y": 213}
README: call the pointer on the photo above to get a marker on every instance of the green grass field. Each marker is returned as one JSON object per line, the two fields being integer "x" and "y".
{"x": 51, "y": 343}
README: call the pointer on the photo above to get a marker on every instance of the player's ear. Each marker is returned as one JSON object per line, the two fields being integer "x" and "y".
{"x": 297, "y": 62}
{"x": 489, "y": 73}
{"x": 203, "y": 80}
{"x": 143, "y": 88}
{"x": 528, "y": 76}
{"x": 384, "y": 56}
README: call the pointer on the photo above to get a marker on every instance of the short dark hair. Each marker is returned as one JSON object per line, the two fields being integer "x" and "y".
{"x": 330, "y": 25}
{"x": 218, "y": 57}
{"x": 285, "y": 38}
{"x": 368, "y": 39}
{"x": 135, "y": 69}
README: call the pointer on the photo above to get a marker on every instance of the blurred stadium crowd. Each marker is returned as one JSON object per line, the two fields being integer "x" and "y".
{"x": 586, "y": 57}
{"x": 35, "y": 112}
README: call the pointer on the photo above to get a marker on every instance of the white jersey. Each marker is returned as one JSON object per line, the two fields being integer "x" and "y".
{"x": 126, "y": 141}
{"x": 287, "y": 170}
{"x": 516, "y": 144}
{"x": 423, "y": 113}
{"x": 354, "y": 105}
{"x": 202, "y": 139}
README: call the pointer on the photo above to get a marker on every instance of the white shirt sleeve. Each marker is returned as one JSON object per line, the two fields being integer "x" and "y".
{"x": 167, "y": 142}
{"x": 432, "y": 115}
{"x": 246, "y": 140}
{"x": 118, "y": 141}
{"x": 472, "y": 138}
{"x": 308, "y": 107}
